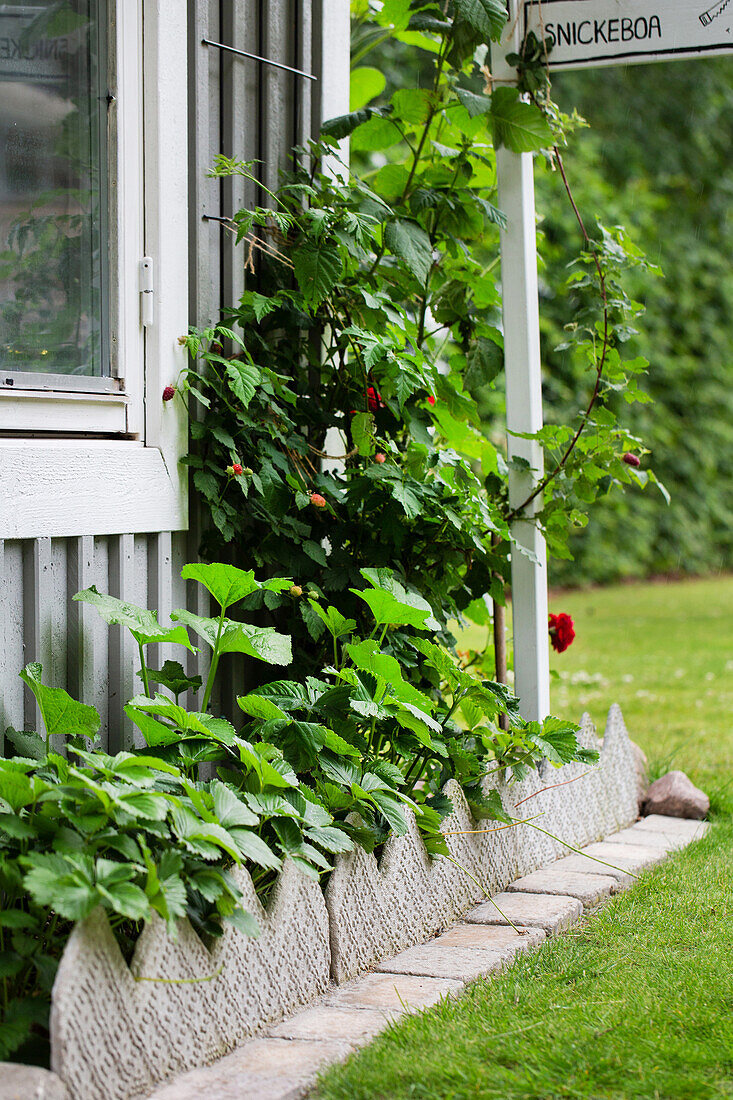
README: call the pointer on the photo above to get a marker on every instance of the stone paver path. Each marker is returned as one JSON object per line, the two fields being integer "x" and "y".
{"x": 284, "y": 1063}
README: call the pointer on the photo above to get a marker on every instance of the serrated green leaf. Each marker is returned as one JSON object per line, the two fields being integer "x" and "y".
{"x": 62, "y": 716}
{"x": 411, "y": 244}
{"x": 317, "y": 269}
{"x": 486, "y": 17}
{"x": 519, "y": 126}
{"x": 243, "y": 380}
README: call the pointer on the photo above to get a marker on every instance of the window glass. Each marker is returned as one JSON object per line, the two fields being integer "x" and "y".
{"x": 53, "y": 193}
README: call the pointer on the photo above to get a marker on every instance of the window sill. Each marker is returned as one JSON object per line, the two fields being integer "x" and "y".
{"x": 42, "y": 410}
{"x": 64, "y": 488}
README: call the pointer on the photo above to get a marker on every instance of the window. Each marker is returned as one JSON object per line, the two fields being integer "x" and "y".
{"x": 93, "y": 179}
{"x": 53, "y": 191}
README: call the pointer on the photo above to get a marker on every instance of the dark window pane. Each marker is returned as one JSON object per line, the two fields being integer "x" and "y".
{"x": 53, "y": 187}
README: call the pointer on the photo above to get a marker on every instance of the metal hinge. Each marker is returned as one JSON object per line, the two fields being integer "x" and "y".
{"x": 146, "y": 291}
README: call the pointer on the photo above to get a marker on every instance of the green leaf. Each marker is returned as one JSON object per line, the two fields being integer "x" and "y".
{"x": 411, "y": 244}
{"x": 62, "y": 716}
{"x": 243, "y": 379}
{"x": 27, "y": 742}
{"x": 229, "y": 809}
{"x": 15, "y": 788}
{"x": 228, "y": 584}
{"x": 343, "y": 125}
{"x": 333, "y": 620}
{"x": 520, "y": 126}
{"x": 366, "y": 84}
{"x": 362, "y": 432}
{"x": 257, "y": 706}
{"x": 474, "y": 104}
{"x": 142, "y": 624}
{"x": 262, "y": 642}
{"x": 173, "y": 676}
{"x": 317, "y": 268}
{"x": 387, "y": 610}
{"x": 486, "y": 17}
{"x": 286, "y": 695}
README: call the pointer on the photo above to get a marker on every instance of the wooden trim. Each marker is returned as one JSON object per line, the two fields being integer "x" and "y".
{"x": 64, "y": 488}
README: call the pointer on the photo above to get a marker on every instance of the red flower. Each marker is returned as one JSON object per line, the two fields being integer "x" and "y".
{"x": 431, "y": 399}
{"x": 169, "y": 393}
{"x": 562, "y": 631}
{"x": 631, "y": 460}
{"x": 317, "y": 500}
{"x": 374, "y": 399}
{"x": 380, "y": 458}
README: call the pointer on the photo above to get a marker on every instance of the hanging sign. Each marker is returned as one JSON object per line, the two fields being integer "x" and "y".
{"x": 622, "y": 32}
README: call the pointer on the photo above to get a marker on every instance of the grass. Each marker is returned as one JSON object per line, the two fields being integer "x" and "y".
{"x": 637, "y": 1003}
{"x": 664, "y": 652}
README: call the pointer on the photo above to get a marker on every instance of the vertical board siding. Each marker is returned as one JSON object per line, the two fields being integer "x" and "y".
{"x": 247, "y": 110}
{"x": 41, "y": 622}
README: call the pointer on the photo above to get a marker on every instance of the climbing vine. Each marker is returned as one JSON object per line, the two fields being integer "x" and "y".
{"x": 339, "y": 428}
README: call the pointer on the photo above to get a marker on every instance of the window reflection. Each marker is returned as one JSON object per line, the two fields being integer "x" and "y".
{"x": 52, "y": 187}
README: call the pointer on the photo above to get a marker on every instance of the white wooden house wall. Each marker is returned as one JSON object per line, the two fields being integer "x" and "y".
{"x": 240, "y": 107}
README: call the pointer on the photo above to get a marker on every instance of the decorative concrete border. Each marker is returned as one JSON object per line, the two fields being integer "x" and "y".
{"x": 118, "y": 1031}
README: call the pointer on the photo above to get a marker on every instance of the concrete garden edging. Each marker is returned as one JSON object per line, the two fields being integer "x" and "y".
{"x": 118, "y": 1031}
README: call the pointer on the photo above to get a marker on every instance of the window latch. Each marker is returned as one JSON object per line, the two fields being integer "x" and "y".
{"x": 146, "y": 291}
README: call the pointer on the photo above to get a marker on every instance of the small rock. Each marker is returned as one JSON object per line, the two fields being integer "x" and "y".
{"x": 676, "y": 796}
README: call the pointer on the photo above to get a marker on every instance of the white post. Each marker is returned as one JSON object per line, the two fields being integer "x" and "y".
{"x": 523, "y": 407}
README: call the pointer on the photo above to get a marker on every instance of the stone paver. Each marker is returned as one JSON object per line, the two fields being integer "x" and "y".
{"x": 648, "y": 839}
{"x": 437, "y": 961}
{"x": 588, "y": 889}
{"x": 284, "y": 1064}
{"x": 349, "y": 1025}
{"x": 633, "y": 858}
{"x": 394, "y": 992}
{"x": 674, "y": 826}
{"x": 496, "y": 936}
{"x": 262, "y": 1069}
{"x": 550, "y": 912}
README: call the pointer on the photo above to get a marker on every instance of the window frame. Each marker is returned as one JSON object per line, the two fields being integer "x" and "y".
{"x": 139, "y": 485}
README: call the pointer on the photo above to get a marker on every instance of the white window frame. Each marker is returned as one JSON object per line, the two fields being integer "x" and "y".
{"x": 57, "y": 476}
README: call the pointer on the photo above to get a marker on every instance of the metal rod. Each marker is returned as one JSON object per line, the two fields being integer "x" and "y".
{"x": 256, "y": 57}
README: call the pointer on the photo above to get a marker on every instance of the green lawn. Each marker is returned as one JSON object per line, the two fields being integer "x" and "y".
{"x": 637, "y": 1003}
{"x": 664, "y": 652}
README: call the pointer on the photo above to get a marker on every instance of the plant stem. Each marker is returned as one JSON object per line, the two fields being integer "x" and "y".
{"x": 214, "y": 663}
{"x": 144, "y": 669}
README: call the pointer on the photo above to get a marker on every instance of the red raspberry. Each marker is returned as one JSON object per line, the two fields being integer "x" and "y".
{"x": 169, "y": 393}
{"x": 431, "y": 399}
{"x": 317, "y": 500}
{"x": 380, "y": 458}
{"x": 631, "y": 460}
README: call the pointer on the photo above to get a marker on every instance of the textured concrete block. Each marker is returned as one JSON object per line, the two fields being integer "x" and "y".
{"x": 395, "y": 992}
{"x": 673, "y": 826}
{"x": 348, "y": 1025}
{"x": 437, "y": 961}
{"x": 497, "y": 937}
{"x": 588, "y": 889}
{"x": 552, "y": 913}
